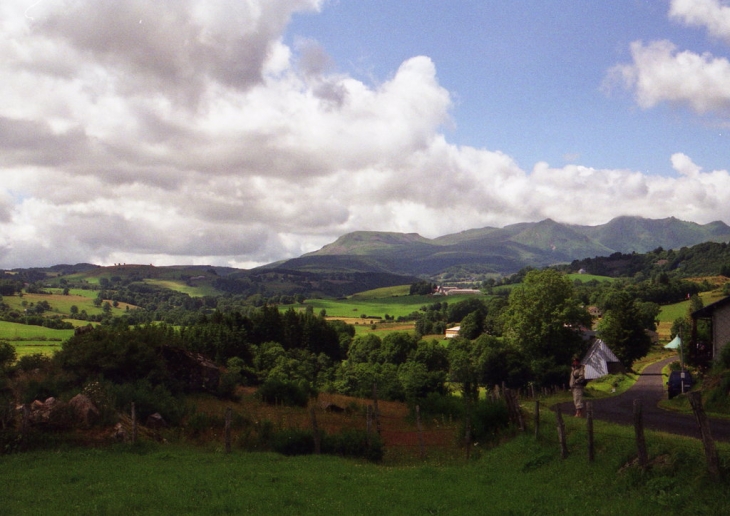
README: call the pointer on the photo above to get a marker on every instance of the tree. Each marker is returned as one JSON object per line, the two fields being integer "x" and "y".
{"x": 472, "y": 325}
{"x": 544, "y": 320}
{"x": 622, "y": 329}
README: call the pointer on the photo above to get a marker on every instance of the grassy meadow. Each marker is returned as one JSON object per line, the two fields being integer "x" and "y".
{"x": 396, "y": 306}
{"x": 29, "y": 339}
{"x": 522, "y": 475}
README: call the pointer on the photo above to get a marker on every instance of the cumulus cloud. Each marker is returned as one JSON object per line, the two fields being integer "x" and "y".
{"x": 186, "y": 131}
{"x": 710, "y": 14}
{"x": 661, "y": 72}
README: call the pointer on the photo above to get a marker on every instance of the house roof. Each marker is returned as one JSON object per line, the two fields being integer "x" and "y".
{"x": 707, "y": 311}
{"x": 596, "y": 360}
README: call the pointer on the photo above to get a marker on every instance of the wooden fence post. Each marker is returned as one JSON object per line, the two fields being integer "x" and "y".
{"x": 375, "y": 407}
{"x": 537, "y": 418}
{"x": 369, "y": 422}
{"x": 134, "y": 424}
{"x": 467, "y": 432}
{"x": 639, "y": 430}
{"x": 24, "y": 425}
{"x": 228, "y": 429}
{"x": 315, "y": 433}
{"x": 420, "y": 432}
{"x": 561, "y": 433}
{"x": 589, "y": 426}
{"x": 713, "y": 461}
{"x": 513, "y": 407}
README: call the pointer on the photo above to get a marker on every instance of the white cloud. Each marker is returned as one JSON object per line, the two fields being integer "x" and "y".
{"x": 711, "y": 14}
{"x": 198, "y": 136}
{"x": 661, "y": 73}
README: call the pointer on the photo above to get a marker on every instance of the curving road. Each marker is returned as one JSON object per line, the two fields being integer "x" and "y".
{"x": 650, "y": 389}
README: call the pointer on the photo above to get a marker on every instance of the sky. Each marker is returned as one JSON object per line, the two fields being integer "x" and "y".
{"x": 242, "y": 132}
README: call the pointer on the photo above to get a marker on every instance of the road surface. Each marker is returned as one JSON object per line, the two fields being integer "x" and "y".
{"x": 650, "y": 388}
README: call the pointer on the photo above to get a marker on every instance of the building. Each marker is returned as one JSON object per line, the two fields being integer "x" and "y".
{"x": 718, "y": 315}
{"x": 452, "y": 332}
{"x": 600, "y": 361}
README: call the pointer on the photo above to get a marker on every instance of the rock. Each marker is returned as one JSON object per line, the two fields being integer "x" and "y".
{"x": 85, "y": 409}
{"x": 156, "y": 421}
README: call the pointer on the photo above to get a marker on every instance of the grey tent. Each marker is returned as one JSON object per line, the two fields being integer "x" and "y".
{"x": 600, "y": 361}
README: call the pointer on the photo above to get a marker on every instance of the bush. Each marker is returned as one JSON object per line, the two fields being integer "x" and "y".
{"x": 293, "y": 442}
{"x": 274, "y": 391}
{"x": 354, "y": 444}
{"x": 148, "y": 400}
{"x": 348, "y": 443}
{"x": 32, "y": 362}
{"x": 489, "y": 418}
{"x": 443, "y": 405}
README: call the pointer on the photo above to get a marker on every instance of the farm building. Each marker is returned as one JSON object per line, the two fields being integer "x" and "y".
{"x": 718, "y": 315}
{"x": 452, "y": 332}
{"x": 600, "y": 361}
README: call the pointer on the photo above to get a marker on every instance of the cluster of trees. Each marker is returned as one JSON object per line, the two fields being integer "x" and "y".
{"x": 709, "y": 258}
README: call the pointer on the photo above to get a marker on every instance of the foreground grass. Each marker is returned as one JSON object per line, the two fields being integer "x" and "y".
{"x": 522, "y": 476}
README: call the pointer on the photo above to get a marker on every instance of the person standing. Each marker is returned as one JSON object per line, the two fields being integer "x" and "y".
{"x": 577, "y": 385}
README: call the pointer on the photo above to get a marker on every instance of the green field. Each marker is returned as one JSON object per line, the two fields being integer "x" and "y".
{"x": 520, "y": 476}
{"x": 397, "y": 306}
{"x": 585, "y": 278}
{"x": 669, "y": 313}
{"x": 60, "y": 304}
{"x": 29, "y": 339}
{"x": 183, "y": 287}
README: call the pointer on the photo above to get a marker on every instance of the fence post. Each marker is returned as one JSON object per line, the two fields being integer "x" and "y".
{"x": 24, "y": 425}
{"x": 467, "y": 424}
{"x": 537, "y": 418}
{"x": 561, "y": 433}
{"x": 369, "y": 422}
{"x": 375, "y": 407}
{"x": 639, "y": 430}
{"x": 513, "y": 407}
{"x": 420, "y": 432}
{"x": 315, "y": 433}
{"x": 134, "y": 424}
{"x": 713, "y": 462}
{"x": 589, "y": 425}
{"x": 228, "y": 429}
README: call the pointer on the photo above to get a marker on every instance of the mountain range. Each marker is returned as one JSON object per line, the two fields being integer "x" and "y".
{"x": 500, "y": 251}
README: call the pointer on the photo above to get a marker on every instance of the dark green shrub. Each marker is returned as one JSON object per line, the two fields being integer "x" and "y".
{"x": 488, "y": 419}
{"x": 354, "y": 444}
{"x": 201, "y": 422}
{"x": 148, "y": 400}
{"x": 28, "y": 363}
{"x": 293, "y": 442}
{"x": 274, "y": 391}
{"x": 436, "y": 405}
{"x": 227, "y": 385}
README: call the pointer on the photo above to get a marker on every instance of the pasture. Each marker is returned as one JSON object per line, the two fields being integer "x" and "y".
{"x": 366, "y": 307}
{"x": 182, "y": 287}
{"x": 28, "y": 339}
{"x": 522, "y": 475}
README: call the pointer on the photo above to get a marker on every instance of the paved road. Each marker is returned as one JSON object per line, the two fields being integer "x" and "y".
{"x": 650, "y": 389}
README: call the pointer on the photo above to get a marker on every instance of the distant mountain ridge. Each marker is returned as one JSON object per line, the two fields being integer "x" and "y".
{"x": 501, "y": 250}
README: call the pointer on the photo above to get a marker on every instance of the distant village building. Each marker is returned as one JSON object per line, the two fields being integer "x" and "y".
{"x": 452, "y": 332}
{"x": 453, "y": 291}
